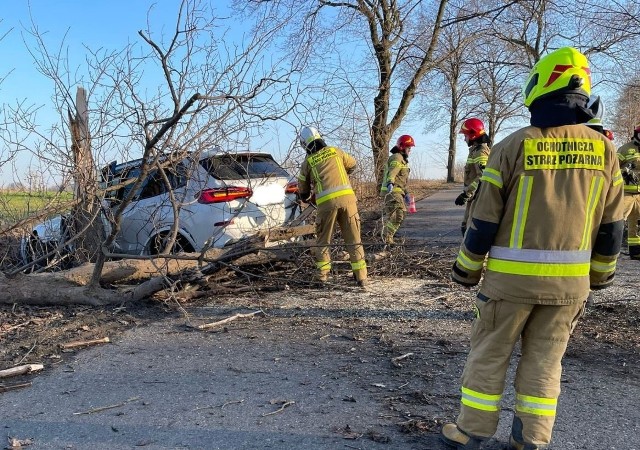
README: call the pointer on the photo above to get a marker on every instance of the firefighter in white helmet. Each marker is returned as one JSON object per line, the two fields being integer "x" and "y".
{"x": 394, "y": 186}
{"x": 629, "y": 156}
{"x": 549, "y": 217}
{"x": 478, "y": 141}
{"x": 325, "y": 175}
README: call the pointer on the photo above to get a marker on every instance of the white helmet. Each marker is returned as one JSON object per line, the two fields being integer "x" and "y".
{"x": 308, "y": 135}
{"x": 596, "y": 105}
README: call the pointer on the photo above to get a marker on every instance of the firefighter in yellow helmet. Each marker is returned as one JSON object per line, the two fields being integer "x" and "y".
{"x": 478, "y": 141}
{"x": 629, "y": 157}
{"x": 394, "y": 187}
{"x": 325, "y": 175}
{"x": 549, "y": 217}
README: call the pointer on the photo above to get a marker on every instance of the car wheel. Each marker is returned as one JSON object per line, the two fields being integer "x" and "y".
{"x": 159, "y": 242}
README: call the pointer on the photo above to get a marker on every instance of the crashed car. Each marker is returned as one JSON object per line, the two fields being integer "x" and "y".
{"x": 215, "y": 199}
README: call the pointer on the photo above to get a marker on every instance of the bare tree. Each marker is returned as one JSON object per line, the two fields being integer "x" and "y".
{"x": 160, "y": 100}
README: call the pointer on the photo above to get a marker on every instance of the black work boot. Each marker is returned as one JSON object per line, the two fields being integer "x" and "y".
{"x": 516, "y": 441}
{"x": 458, "y": 439}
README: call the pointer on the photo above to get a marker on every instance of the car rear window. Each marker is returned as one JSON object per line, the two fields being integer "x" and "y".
{"x": 241, "y": 167}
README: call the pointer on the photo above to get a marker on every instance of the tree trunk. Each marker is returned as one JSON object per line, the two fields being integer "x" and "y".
{"x": 85, "y": 217}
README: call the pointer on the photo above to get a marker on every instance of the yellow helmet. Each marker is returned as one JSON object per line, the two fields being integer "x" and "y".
{"x": 565, "y": 69}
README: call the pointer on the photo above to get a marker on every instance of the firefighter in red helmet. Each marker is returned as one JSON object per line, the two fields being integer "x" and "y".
{"x": 394, "y": 187}
{"x": 478, "y": 141}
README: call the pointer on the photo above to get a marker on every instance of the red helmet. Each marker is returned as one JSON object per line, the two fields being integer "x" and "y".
{"x": 472, "y": 128}
{"x": 608, "y": 134}
{"x": 405, "y": 141}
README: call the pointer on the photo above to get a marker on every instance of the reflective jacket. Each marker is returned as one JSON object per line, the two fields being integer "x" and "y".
{"x": 326, "y": 171}
{"x": 629, "y": 157}
{"x": 397, "y": 172}
{"x": 549, "y": 217}
{"x": 476, "y": 162}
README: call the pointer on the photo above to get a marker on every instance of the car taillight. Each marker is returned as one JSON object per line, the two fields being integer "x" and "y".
{"x": 225, "y": 194}
{"x": 291, "y": 188}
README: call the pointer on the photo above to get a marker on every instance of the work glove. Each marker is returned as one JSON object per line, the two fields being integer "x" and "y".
{"x": 461, "y": 277}
{"x": 389, "y": 187}
{"x": 461, "y": 199}
{"x": 407, "y": 199}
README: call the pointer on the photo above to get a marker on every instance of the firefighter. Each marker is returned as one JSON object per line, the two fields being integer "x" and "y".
{"x": 549, "y": 217}
{"x": 478, "y": 141}
{"x": 596, "y": 107}
{"x": 325, "y": 175}
{"x": 629, "y": 157}
{"x": 394, "y": 187}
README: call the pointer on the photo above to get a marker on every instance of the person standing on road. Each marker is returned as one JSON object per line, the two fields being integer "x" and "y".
{"x": 325, "y": 174}
{"x": 394, "y": 187}
{"x": 478, "y": 141}
{"x": 629, "y": 156}
{"x": 549, "y": 216}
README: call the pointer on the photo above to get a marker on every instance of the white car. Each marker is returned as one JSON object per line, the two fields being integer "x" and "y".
{"x": 218, "y": 199}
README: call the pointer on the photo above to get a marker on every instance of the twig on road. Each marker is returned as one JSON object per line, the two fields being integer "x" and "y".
{"x": 103, "y": 408}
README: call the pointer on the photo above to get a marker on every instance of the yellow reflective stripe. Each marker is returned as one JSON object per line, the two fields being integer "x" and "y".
{"x": 467, "y": 262}
{"x": 603, "y": 267}
{"x": 316, "y": 177}
{"x": 478, "y": 159}
{"x": 479, "y": 400}
{"x": 521, "y": 211}
{"x": 362, "y": 264}
{"x": 492, "y": 176}
{"x": 633, "y": 188}
{"x": 344, "y": 178}
{"x": 539, "y": 406}
{"x": 597, "y": 183}
{"x": 323, "y": 265}
{"x": 538, "y": 269}
{"x": 633, "y": 240}
{"x": 335, "y": 194}
{"x": 392, "y": 227}
{"x": 302, "y": 177}
{"x": 617, "y": 178}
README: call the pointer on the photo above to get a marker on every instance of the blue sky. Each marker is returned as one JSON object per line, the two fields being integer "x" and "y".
{"x": 95, "y": 24}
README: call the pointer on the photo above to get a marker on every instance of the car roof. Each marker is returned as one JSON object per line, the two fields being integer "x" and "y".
{"x": 216, "y": 151}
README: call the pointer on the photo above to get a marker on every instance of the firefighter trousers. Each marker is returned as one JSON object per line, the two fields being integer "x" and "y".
{"x": 395, "y": 211}
{"x": 342, "y": 210}
{"x": 544, "y": 331}
{"x": 632, "y": 215}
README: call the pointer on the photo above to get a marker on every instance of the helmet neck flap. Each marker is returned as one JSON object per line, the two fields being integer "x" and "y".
{"x": 561, "y": 109}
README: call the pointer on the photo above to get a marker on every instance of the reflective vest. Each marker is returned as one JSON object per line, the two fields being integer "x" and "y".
{"x": 397, "y": 172}
{"x": 476, "y": 162}
{"x": 328, "y": 171}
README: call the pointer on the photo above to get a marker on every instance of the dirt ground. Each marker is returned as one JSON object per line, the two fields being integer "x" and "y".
{"x": 403, "y": 341}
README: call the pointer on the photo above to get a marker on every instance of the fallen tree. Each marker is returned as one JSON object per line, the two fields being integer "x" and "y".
{"x": 184, "y": 272}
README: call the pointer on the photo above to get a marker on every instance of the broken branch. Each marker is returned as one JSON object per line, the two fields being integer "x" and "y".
{"x": 284, "y": 405}
{"x": 103, "y": 408}
{"x": 76, "y": 344}
{"x": 20, "y": 370}
{"x": 228, "y": 319}
{"x": 13, "y": 387}
{"x": 396, "y": 361}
